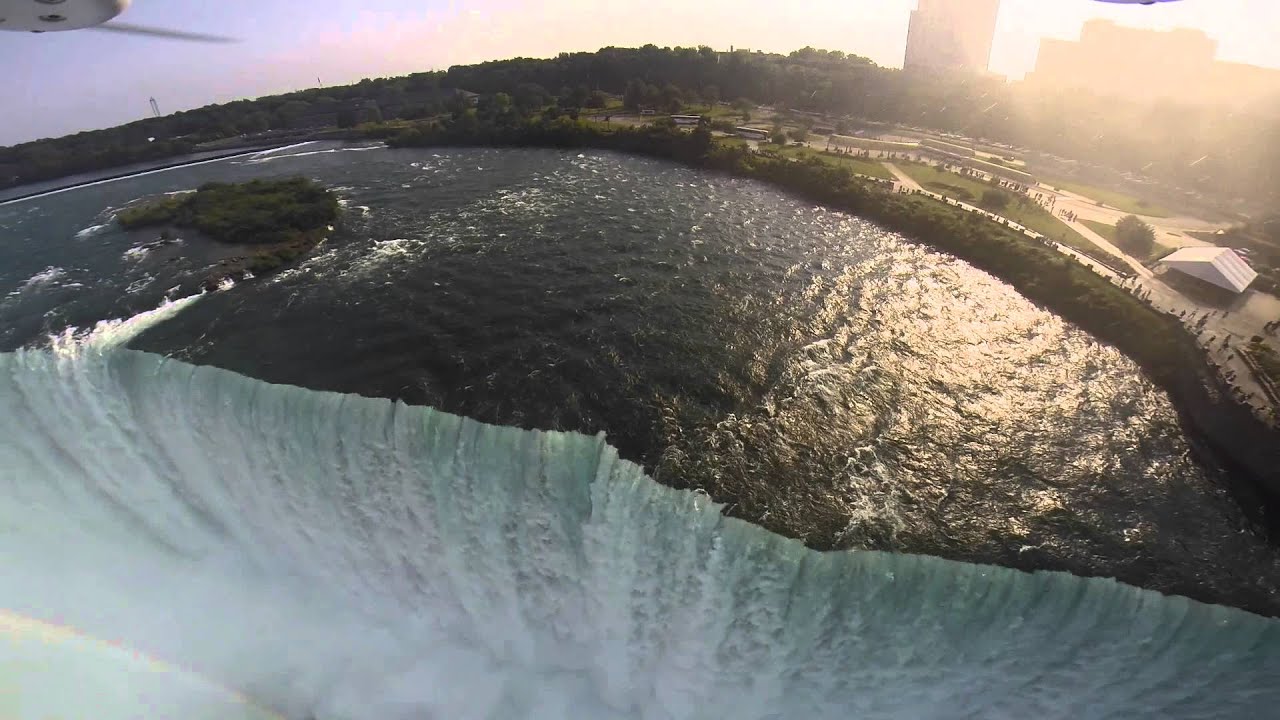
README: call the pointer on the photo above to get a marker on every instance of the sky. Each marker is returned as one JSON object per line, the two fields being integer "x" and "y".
{"x": 64, "y": 82}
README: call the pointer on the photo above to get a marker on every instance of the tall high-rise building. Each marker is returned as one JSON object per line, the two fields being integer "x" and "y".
{"x": 951, "y": 35}
{"x": 1141, "y": 64}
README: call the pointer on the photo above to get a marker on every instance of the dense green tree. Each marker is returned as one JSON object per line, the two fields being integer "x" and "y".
{"x": 370, "y": 113}
{"x": 530, "y": 96}
{"x": 413, "y": 111}
{"x": 253, "y": 213}
{"x": 1226, "y": 151}
{"x": 575, "y": 98}
{"x": 670, "y": 98}
{"x": 291, "y": 113}
{"x": 348, "y": 117}
{"x": 1135, "y": 237}
{"x": 633, "y": 96}
{"x": 995, "y": 199}
{"x": 255, "y": 122}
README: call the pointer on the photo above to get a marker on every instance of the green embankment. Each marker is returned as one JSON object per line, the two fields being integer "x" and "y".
{"x": 1022, "y": 210}
{"x": 861, "y": 166}
{"x": 1108, "y": 232}
{"x": 1117, "y": 200}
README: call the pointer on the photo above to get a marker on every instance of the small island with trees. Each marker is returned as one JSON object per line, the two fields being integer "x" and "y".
{"x": 277, "y": 220}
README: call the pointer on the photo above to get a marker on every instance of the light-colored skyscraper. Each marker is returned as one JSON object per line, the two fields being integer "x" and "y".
{"x": 951, "y": 35}
{"x": 1140, "y": 64}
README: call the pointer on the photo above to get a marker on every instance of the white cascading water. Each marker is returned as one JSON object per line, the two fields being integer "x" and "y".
{"x": 333, "y": 556}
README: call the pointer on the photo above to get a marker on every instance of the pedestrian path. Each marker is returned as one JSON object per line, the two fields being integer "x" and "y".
{"x": 902, "y": 177}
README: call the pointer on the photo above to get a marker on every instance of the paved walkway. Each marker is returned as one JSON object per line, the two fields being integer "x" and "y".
{"x": 1170, "y": 231}
{"x": 1106, "y": 246}
{"x": 902, "y": 177}
{"x": 1233, "y": 325}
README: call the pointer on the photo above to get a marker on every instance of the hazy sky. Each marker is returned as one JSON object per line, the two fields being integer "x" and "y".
{"x": 57, "y": 83}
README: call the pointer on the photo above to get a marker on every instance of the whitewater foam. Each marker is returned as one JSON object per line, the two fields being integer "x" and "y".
{"x": 91, "y": 230}
{"x": 140, "y": 252}
{"x": 348, "y": 557}
{"x": 44, "y": 278}
{"x": 114, "y": 333}
{"x": 140, "y": 284}
{"x": 268, "y": 157}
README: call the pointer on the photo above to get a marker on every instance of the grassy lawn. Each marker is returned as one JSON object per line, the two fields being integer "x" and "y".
{"x": 1043, "y": 222}
{"x": 956, "y": 187}
{"x": 1108, "y": 232}
{"x": 1117, "y": 200}
{"x": 715, "y": 112}
{"x": 873, "y": 144}
{"x": 859, "y": 165}
{"x": 597, "y": 123}
{"x": 1026, "y": 214}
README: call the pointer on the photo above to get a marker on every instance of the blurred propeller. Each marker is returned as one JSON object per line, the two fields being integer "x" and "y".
{"x": 161, "y": 33}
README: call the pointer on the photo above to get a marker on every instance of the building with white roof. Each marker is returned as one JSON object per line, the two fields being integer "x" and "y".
{"x": 1215, "y": 265}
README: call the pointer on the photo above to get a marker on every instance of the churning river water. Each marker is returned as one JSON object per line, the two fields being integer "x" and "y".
{"x": 794, "y": 367}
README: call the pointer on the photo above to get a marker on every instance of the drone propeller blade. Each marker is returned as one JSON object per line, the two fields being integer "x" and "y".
{"x": 161, "y": 33}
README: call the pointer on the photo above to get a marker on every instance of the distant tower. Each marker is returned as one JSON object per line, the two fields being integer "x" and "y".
{"x": 155, "y": 108}
{"x": 951, "y": 35}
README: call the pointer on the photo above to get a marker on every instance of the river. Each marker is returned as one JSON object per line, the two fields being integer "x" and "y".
{"x": 807, "y": 370}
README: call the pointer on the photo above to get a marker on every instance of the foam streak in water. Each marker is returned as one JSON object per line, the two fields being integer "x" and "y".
{"x": 117, "y": 333}
{"x": 346, "y": 557}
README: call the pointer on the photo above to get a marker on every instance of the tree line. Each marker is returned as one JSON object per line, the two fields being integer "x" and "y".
{"x": 1214, "y": 151}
